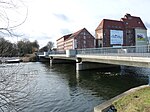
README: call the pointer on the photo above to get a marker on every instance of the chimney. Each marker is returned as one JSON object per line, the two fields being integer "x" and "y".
{"x": 128, "y": 16}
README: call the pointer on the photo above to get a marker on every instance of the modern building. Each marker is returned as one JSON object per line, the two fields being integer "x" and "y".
{"x": 78, "y": 40}
{"x": 128, "y": 31}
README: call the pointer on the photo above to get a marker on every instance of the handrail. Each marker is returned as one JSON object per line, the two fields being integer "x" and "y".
{"x": 142, "y": 50}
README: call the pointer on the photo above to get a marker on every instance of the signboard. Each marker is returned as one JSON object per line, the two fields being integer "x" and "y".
{"x": 116, "y": 37}
{"x": 140, "y": 37}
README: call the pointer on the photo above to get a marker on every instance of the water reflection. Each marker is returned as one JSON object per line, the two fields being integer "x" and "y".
{"x": 105, "y": 83}
{"x": 61, "y": 89}
{"x": 108, "y": 83}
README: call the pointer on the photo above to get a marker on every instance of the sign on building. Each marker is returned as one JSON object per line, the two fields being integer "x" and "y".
{"x": 116, "y": 37}
{"x": 140, "y": 37}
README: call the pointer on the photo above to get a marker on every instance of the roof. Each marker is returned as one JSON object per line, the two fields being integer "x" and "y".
{"x": 76, "y": 33}
{"x": 133, "y": 22}
{"x": 127, "y": 22}
{"x": 107, "y": 23}
{"x": 65, "y": 37}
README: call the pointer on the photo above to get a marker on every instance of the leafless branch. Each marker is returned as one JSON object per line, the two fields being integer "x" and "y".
{"x": 4, "y": 5}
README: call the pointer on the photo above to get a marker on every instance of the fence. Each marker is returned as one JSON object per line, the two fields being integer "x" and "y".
{"x": 143, "y": 51}
{"x": 124, "y": 50}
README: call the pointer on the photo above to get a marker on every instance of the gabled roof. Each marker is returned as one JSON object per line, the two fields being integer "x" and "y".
{"x": 127, "y": 22}
{"x": 133, "y": 22}
{"x": 65, "y": 37}
{"x": 105, "y": 23}
{"x": 76, "y": 33}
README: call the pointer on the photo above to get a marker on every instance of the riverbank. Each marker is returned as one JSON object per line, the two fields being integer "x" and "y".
{"x": 133, "y": 100}
{"x": 138, "y": 101}
{"x": 29, "y": 58}
{"x": 26, "y": 58}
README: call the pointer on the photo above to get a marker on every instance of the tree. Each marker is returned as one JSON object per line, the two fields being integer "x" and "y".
{"x": 48, "y": 47}
{"x": 7, "y": 7}
{"x": 14, "y": 83}
{"x": 7, "y": 48}
{"x": 27, "y": 47}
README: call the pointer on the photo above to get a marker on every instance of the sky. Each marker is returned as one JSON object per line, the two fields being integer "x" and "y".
{"x": 48, "y": 20}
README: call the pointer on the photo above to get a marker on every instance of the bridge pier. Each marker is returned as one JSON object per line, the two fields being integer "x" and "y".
{"x": 87, "y": 66}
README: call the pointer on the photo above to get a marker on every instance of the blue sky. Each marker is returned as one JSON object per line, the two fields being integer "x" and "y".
{"x": 48, "y": 20}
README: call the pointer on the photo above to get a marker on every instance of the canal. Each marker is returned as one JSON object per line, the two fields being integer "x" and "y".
{"x": 59, "y": 88}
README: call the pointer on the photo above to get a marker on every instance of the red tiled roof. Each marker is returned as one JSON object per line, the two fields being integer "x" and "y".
{"x": 67, "y": 36}
{"x": 76, "y": 33}
{"x": 128, "y": 21}
{"x": 112, "y": 23}
{"x": 107, "y": 23}
{"x": 133, "y": 22}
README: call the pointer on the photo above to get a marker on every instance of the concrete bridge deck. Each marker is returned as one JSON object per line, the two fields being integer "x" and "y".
{"x": 117, "y": 60}
{"x": 138, "y": 56}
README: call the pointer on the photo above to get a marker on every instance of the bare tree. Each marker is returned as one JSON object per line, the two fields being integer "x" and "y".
{"x": 8, "y": 24}
{"x": 7, "y": 48}
{"x": 50, "y": 45}
{"x": 14, "y": 81}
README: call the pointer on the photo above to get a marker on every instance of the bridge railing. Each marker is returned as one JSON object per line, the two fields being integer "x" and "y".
{"x": 57, "y": 52}
{"x": 143, "y": 50}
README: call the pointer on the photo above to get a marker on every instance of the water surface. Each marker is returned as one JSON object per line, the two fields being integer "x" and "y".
{"x": 59, "y": 88}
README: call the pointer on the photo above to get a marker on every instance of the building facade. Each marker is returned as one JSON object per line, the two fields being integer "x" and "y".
{"x": 78, "y": 40}
{"x": 61, "y": 42}
{"x": 128, "y": 31}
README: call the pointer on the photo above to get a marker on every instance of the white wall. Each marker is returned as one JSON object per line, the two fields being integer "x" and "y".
{"x": 141, "y": 36}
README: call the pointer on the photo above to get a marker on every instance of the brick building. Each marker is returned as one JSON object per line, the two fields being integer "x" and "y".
{"x": 78, "y": 40}
{"x": 61, "y": 42}
{"x": 128, "y": 31}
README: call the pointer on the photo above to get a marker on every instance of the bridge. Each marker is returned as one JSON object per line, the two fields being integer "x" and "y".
{"x": 138, "y": 56}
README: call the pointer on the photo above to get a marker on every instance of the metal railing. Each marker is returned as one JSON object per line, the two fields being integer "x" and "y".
{"x": 57, "y": 52}
{"x": 143, "y": 51}
{"x": 50, "y": 52}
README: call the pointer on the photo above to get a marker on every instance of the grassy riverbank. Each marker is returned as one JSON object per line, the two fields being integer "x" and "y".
{"x": 138, "y": 101}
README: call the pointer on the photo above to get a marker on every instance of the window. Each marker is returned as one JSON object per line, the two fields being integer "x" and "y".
{"x": 84, "y": 33}
{"x": 84, "y": 37}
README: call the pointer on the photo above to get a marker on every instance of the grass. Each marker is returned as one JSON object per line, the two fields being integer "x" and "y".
{"x": 138, "y": 101}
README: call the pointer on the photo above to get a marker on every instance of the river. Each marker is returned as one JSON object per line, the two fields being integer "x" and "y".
{"x": 59, "y": 88}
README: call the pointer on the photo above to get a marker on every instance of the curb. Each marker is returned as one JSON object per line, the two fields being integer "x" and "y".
{"x": 105, "y": 107}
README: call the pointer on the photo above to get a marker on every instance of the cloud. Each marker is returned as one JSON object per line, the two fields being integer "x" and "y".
{"x": 61, "y": 17}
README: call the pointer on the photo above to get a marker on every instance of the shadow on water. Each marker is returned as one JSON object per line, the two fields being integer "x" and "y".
{"x": 105, "y": 83}
{"x": 60, "y": 88}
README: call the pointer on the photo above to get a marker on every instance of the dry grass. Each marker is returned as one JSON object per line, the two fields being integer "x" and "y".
{"x": 138, "y": 101}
